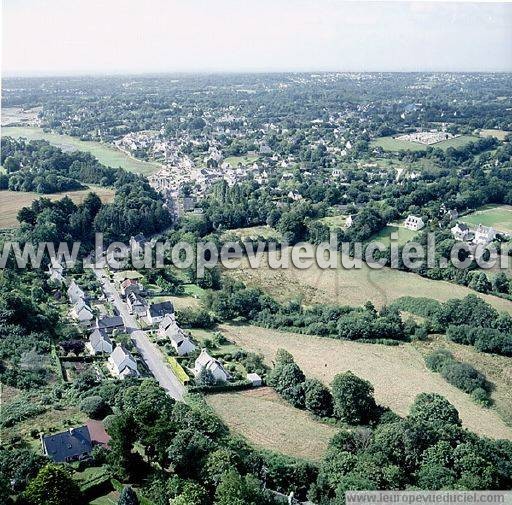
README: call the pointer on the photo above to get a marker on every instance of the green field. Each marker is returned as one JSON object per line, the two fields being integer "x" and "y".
{"x": 244, "y": 160}
{"x": 251, "y": 232}
{"x": 334, "y": 221}
{"x": 105, "y": 154}
{"x": 392, "y": 144}
{"x": 497, "y": 216}
{"x": 384, "y": 236}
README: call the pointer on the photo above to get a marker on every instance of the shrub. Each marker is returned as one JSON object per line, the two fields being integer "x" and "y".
{"x": 95, "y": 407}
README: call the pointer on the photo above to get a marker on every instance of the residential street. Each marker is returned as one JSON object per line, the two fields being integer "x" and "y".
{"x": 151, "y": 354}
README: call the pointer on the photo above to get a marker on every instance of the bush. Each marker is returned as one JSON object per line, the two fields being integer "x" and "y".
{"x": 437, "y": 359}
{"x": 95, "y": 407}
{"x": 481, "y": 396}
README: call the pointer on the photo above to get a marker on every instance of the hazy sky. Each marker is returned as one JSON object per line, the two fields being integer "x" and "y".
{"x": 111, "y": 36}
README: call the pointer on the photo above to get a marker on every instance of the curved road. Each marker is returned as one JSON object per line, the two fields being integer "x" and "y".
{"x": 151, "y": 354}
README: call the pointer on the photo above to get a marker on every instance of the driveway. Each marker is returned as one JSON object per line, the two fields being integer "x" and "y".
{"x": 152, "y": 355}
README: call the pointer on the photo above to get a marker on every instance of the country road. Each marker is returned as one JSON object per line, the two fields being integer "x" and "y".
{"x": 151, "y": 354}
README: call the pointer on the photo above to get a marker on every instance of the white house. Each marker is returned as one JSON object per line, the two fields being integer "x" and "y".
{"x": 460, "y": 231}
{"x": 158, "y": 311}
{"x": 56, "y": 273}
{"x": 205, "y": 361}
{"x": 136, "y": 305}
{"x": 414, "y": 223}
{"x": 75, "y": 292}
{"x": 99, "y": 343}
{"x": 169, "y": 328}
{"x": 484, "y": 235}
{"x": 122, "y": 363}
{"x": 349, "y": 221}
{"x": 82, "y": 312}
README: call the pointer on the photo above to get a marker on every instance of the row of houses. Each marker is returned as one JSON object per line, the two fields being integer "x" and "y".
{"x": 482, "y": 235}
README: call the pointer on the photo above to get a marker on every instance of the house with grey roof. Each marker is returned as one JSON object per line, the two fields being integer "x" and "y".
{"x": 81, "y": 311}
{"x": 122, "y": 364}
{"x": 71, "y": 445}
{"x": 206, "y": 362}
{"x": 157, "y": 311}
{"x": 99, "y": 343}
{"x": 136, "y": 304}
{"x": 108, "y": 324}
{"x": 75, "y": 292}
{"x": 170, "y": 330}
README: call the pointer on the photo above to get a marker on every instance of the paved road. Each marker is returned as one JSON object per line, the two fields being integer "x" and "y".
{"x": 151, "y": 354}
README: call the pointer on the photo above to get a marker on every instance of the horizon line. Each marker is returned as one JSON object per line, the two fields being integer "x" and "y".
{"x": 129, "y": 73}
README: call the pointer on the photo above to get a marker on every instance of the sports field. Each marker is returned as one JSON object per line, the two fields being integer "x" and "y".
{"x": 392, "y": 144}
{"x": 352, "y": 286}
{"x": 497, "y": 216}
{"x": 106, "y": 154}
{"x": 268, "y": 422}
{"x": 398, "y": 373}
{"x": 244, "y": 160}
{"x": 12, "y": 201}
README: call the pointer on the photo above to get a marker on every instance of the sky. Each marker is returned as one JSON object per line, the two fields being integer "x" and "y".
{"x": 67, "y": 37}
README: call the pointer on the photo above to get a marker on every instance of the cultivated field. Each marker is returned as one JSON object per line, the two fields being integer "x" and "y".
{"x": 497, "y": 216}
{"x": 397, "y": 373}
{"x": 105, "y": 154}
{"x": 12, "y": 201}
{"x": 392, "y": 144}
{"x": 351, "y": 287}
{"x": 268, "y": 422}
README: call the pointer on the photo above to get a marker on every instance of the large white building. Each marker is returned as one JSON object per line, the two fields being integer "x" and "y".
{"x": 414, "y": 223}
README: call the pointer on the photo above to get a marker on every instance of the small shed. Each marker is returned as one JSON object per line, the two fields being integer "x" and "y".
{"x": 255, "y": 379}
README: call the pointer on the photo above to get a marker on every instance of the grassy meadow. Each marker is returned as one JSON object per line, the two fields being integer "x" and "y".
{"x": 12, "y": 201}
{"x": 392, "y": 144}
{"x": 398, "y": 373}
{"x": 497, "y": 216}
{"x": 268, "y": 422}
{"x": 105, "y": 153}
{"x": 352, "y": 286}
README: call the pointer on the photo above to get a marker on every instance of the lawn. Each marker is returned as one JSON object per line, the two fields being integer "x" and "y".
{"x": 497, "y": 216}
{"x": 201, "y": 336}
{"x": 12, "y": 201}
{"x": 384, "y": 236}
{"x": 334, "y": 221}
{"x": 351, "y": 287}
{"x": 111, "y": 498}
{"x": 268, "y": 422}
{"x": 244, "y": 160}
{"x": 392, "y": 144}
{"x": 398, "y": 373}
{"x": 105, "y": 153}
